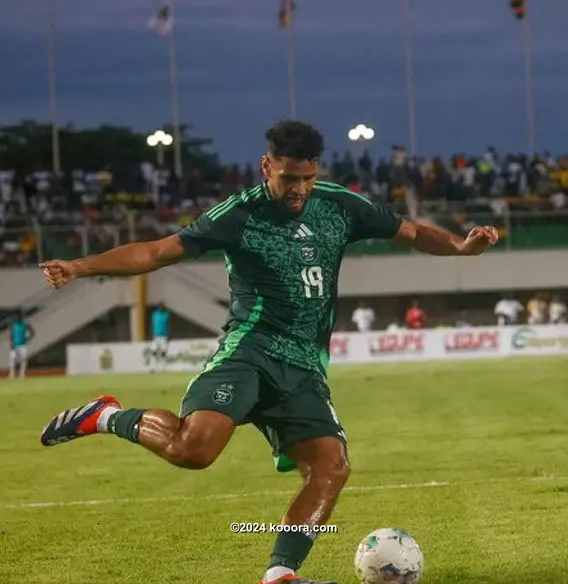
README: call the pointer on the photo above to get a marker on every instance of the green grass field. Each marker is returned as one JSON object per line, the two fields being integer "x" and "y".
{"x": 492, "y": 436}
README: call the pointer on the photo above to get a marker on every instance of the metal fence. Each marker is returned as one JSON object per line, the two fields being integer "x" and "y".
{"x": 36, "y": 243}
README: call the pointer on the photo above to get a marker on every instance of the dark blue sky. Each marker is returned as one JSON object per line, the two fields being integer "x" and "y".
{"x": 350, "y": 67}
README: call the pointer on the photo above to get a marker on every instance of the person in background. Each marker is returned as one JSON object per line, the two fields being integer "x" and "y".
{"x": 557, "y": 311}
{"x": 21, "y": 332}
{"x": 537, "y": 309}
{"x": 363, "y": 317}
{"x": 507, "y": 310}
{"x": 160, "y": 334}
{"x": 415, "y": 317}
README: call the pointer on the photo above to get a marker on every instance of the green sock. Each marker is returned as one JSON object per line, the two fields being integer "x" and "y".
{"x": 284, "y": 464}
{"x": 290, "y": 550}
{"x": 124, "y": 424}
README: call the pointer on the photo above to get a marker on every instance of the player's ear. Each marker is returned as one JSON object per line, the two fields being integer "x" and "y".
{"x": 265, "y": 166}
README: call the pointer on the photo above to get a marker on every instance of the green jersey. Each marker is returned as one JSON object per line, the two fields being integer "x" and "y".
{"x": 283, "y": 271}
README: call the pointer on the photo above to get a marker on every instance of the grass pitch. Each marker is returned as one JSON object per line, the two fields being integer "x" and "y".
{"x": 470, "y": 458}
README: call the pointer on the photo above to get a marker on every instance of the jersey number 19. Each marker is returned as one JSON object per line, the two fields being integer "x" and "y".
{"x": 313, "y": 282}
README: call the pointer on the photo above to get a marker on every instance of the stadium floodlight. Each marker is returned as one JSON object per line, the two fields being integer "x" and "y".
{"x": 361, "y": 132}
{"x": 159, "y": 137}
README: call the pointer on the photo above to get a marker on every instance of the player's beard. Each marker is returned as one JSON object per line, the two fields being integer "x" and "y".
{"x": 294, "y": 203}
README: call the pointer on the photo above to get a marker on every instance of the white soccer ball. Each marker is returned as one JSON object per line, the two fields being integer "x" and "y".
{"x": 389, "y": 555}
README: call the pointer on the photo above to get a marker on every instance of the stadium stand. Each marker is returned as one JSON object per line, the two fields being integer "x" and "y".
{"x": 90, "y": 211}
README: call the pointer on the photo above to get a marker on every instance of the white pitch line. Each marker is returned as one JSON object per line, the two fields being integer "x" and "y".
{"x": 253, "y": 494}
{"x": 215, "y": 497}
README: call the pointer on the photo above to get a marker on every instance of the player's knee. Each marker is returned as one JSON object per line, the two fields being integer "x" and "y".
{"x": 195, "y": 461}
{"x": 330, "y": 474}
{"x": 200, "y": 440}
{"x": 193, "y": 452}
{"x": 339, "y": 471}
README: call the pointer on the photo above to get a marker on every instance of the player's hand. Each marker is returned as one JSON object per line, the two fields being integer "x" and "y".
{"x": 478, "y": 240}
{"x": 58, "y": 273}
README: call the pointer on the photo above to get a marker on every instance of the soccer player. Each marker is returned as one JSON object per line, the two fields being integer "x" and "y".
{"x": 21, "y": 333}
{"x": 284, "y": 240}
{"x": 160, "y": 334}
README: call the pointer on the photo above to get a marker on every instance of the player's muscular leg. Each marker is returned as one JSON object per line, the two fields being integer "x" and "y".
{"x": 324, "y": 467}
{"x": 192, "y": 442}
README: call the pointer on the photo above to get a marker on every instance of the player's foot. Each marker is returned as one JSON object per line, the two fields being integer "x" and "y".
{"x": 76, "y": 422}
{"x": 289, "y": 578}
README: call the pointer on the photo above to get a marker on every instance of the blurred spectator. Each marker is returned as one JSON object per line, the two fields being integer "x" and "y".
{"x": 363, "y": 317}
{"x": 507, "y": 311}
{"x": 557, "y": 311}
{"x": 415, "y": 317}
{"x": 537, "y": 310}
{"x": 21, "y": 333}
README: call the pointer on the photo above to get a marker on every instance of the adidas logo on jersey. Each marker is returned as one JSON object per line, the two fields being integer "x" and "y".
{"x": 303, "y": 232}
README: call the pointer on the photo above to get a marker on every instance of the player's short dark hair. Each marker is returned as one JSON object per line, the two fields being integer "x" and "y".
{"x": 294, "y": 139}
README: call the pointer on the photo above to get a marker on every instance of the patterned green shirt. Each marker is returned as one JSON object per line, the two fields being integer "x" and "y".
{"x": 283, "y": 271}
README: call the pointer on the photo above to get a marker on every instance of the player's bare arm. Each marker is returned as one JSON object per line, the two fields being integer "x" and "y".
{"x": 434, "y": 240}
{"x": 126, "y": 260}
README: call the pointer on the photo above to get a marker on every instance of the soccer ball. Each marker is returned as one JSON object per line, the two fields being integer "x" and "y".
{"x": 389, "y": 555}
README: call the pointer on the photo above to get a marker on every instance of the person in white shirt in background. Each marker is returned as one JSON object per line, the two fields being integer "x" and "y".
{"x": 363, "y": 317}
{"x": 507, "y": 311}
{"x": 557, "y": 311}
{"x": 537, "y": 309}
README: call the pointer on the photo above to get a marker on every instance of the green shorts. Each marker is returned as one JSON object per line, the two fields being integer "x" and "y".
{"x": 286, "y": 403}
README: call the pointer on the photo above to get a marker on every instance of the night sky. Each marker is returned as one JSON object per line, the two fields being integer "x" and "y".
{"x": 469, "y": 70}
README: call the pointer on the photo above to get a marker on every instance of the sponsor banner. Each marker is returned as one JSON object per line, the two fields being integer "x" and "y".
{"x": 466, "y": 343}
{"x": 340, "y": 349}
{"x": 378, "y": 347}
{"x": 182, "y": 355}
{"x": 394, "y": 346}
{"x": 448, "y": 344}
{"x": 345, "y": 348}
{"x": 539, "y": 340}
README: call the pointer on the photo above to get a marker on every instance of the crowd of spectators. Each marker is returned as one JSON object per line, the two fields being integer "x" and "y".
{"x": 540, "y": 308}
{"x": 86, "y": 210}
